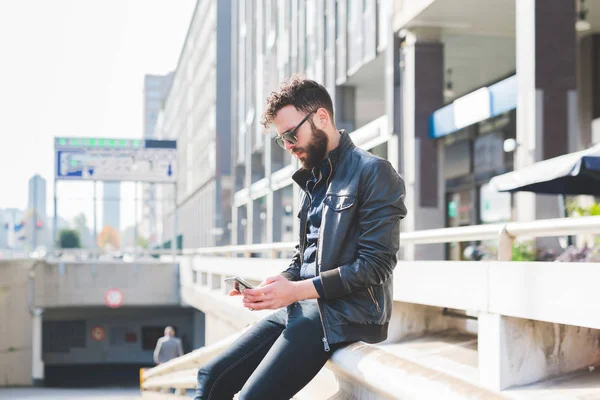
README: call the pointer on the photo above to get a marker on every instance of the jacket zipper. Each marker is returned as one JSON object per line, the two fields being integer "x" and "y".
{"x": 370, "y": 290}
{"x": 325, "y": 340}
{"x": 317, "y": 269}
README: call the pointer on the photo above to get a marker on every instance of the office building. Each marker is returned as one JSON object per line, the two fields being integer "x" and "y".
{"x": 35, "y": 229}
{"x": 156, "y": 89}
{"x": 430, "y": 85}
{"x": 197, "y": 113}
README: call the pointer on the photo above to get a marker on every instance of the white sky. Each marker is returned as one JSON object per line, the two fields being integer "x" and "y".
{"x": 76, "y": 68}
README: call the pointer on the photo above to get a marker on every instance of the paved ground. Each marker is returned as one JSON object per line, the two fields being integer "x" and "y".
{"x": 70, "y": 394}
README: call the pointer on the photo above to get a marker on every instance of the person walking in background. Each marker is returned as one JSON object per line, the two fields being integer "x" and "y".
{"x": 167, "y": 347}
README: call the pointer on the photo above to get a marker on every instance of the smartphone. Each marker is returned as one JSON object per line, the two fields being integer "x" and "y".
{"x": 238, "y": 284}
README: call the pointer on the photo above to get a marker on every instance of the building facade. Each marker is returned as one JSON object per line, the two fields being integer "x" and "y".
{"x": 435, "y": 86}
{"x": 197, "y": 113}
{"x": 274, "y": 39}
{"x": 156, "y": 89}
{"x": 35, "y": 229}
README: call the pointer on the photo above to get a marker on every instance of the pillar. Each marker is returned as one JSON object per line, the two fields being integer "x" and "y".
{"x": 546, "y": 96}
{"x": 37, "y": 363}
{"x": 421, "y": 93}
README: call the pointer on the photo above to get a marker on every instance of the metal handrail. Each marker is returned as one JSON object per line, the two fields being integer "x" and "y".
{"x": 539, "y": 228}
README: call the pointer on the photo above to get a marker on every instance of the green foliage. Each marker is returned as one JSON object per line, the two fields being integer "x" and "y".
{"x": 142, "y": 242}
{"x": 69, "y": 239}
{"x": 577, "y": 211}
{"x": 523, "y": 251}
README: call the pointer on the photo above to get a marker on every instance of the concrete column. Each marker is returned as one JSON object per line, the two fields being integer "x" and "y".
{"x": 257, "y": 221}
{"x": 37, "y": 363}
{"x": 588, "y": 90}
{"x": 345, "y": 107}
{"x": 199, "y": 329}
{"x": 515, "y": 351}
{"x": 547, "y": 103}
{"x": 421, "y": 89}
{"x": 234, "y": 224}
{"x": 277, "y": 215}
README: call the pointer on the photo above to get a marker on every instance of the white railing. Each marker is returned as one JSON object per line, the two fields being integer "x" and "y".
{"x": 442, "y": 286}
{"x": 503, "y": 232}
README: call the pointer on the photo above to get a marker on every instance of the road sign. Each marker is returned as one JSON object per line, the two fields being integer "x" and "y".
{"x": 98, "y": 333}
{"x": 114, "y": 298}
{"x": 102, "y": 159}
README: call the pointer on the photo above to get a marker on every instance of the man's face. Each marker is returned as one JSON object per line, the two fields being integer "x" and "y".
{"x": 311, "y": 146}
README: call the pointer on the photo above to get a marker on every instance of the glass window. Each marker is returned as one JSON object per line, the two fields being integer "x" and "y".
{"x": 457, "y": 159}
{"x": 494, "y": 206}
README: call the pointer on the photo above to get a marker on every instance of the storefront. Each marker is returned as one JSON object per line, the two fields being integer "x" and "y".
{"x": 473, "y": 136}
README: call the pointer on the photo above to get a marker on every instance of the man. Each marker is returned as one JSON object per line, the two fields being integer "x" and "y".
{"x": 338, "y": 287}
{"x": 167, "y": 347}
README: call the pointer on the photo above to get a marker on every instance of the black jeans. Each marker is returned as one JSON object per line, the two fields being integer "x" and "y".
{"x": 273, "y": 360}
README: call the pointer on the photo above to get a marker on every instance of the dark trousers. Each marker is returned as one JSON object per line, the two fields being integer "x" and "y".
{"x": 273, "y": 360}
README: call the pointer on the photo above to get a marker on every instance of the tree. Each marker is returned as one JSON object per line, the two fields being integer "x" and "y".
{"x": 142, "y": 242}
{"x": 69, "y": 239}
{"x": 109, "y": 238}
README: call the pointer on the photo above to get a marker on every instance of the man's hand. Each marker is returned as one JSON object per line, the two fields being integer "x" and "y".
{"x": 277, "y": 292}
{"x": 273, "y": 293}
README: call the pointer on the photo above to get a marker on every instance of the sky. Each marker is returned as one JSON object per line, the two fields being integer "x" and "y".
{"x": 76, "y": 68}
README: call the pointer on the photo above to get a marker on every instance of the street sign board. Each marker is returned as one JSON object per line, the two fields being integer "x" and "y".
{"x": 98, "y": 333}
{"x": 102, "y": 159}
{"x": 114, "y": 298}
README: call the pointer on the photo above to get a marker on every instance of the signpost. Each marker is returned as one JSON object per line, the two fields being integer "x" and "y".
{"x": 114, "y": 298}
{"x": 98, "y": 333}
{"x": 116, "y": 160}
{"x": 85, "y": 159}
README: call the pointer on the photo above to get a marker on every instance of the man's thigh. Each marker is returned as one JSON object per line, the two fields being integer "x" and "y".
{"x": 294, "y": 359}
{"x": 225, "y": 375}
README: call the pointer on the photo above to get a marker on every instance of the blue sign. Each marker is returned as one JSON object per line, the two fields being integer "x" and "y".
{"x": 102, "y": 159}
{"x": 500, "y": 98}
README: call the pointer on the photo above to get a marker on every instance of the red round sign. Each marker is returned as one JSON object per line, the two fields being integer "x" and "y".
{"x": 113, "y": 298}
{"x": 98, "y": 333}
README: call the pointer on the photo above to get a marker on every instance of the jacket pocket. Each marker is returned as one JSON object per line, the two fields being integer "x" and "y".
{"x": 339, "y": 203}
{"x": 373, "y": 298}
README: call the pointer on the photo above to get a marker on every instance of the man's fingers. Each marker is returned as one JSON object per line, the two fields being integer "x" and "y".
{"x": 252, "y": 299}
{"x": 261, "y": 305}
{"x": 234, "y": 293}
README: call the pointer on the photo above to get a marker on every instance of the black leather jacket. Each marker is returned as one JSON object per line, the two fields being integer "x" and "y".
{"x": 358, "y": 241}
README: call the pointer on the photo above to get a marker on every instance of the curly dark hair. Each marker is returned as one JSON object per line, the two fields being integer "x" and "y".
{"x": 304, "y": 94}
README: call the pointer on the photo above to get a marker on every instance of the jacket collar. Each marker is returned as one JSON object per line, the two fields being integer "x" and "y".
{"x": 302, "y": 175}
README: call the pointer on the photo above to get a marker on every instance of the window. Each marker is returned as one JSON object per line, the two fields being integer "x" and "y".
{"x": 61, "y": 336}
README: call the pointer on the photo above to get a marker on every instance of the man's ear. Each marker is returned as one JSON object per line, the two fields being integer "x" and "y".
{"x": 323, "y": 118}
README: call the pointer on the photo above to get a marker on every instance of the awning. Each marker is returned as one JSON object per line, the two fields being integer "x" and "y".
{"x": 571, "y": 174}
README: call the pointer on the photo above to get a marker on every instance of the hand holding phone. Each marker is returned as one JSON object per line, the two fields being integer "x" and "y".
{"x": 238, "y": 285}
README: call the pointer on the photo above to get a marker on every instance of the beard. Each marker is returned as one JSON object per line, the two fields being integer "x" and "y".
{"x": 315, "y": 150}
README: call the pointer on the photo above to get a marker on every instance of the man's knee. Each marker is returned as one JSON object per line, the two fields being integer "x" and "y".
{"x": 208, "y": 378}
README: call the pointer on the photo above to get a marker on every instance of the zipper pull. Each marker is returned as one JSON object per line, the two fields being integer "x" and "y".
{"x": 326, "y": 344}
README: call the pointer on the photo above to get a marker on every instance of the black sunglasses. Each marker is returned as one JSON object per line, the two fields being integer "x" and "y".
{"x": 290, "y": 136}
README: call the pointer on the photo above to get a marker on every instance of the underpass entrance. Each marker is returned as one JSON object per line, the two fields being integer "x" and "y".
{"x": 98, "y": 346}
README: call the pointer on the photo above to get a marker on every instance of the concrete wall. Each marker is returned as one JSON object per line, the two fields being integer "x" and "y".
{"x": 85, "y": 284}
{"x": 117, "y": 323}
{"x": 15, "y": 324}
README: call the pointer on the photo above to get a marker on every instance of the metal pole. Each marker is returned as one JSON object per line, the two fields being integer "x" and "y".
{"x": 95, "y": 226}
{"x": 135, "y": 217}
{"x": 174, "y": 240}
{"x": 34, "y": 211}
{"x": 55, "y": 243}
